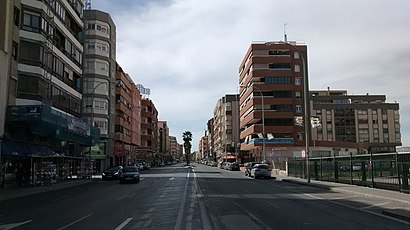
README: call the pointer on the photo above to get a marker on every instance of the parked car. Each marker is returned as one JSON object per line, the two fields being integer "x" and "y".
{"x": 260, "y": 170}
{"x": 111, "y": 173}
{"x": 130, "y": 174}
{"x": 248, "y": 167}
{"x": 162, "y": 164}
{"x": 234, "y": 167}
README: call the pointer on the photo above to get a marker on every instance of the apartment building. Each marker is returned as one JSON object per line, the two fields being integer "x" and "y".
{"x": 164, "y": 148}
{"x": 123, "y": 117}
{"x": 135, "y": 122}
{"x": 273, "y": 79}
{"x": 203, "y": 148}
{"x": 99, "y": 82}
{"x": 42, "y": 51}
{"x": 174, "y": 147}
{"x": 226, "y": 128}
{"x": 353, "y": 124}
{"x": 149, "y": 132}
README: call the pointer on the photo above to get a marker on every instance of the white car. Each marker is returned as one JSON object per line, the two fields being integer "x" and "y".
{"x": 260, "y": 170}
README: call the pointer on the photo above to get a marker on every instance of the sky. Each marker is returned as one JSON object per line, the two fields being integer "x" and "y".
{"x": 188, "y": 52}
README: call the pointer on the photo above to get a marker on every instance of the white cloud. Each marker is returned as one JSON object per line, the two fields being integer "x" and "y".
{"x": 188, "y": 51}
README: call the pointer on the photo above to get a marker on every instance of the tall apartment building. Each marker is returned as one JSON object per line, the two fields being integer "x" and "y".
{"x": 272, "y": 84}
{"x": 135, "y": 122}
{"x": 210, "y": 131}
{"x": 163, "y": 140}
{"x": 203, "y": 148}
{"x": 226, "y": 127}
{"x": 174, "y": 147}
{"x": 149, "y": 132}
{"x": 123, "y": 117}
{"x": 99, "y": 83}
{"x": 353, "y": 123}
{"x": 41, "y": 43}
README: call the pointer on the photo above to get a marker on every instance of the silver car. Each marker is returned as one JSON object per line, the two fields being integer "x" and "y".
{"x": 260, "y": 170}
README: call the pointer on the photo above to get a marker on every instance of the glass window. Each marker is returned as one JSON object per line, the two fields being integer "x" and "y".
{"x": 297, "y": 68}
{"x": 298, "y": 108}
{"x": 298, "y": 81}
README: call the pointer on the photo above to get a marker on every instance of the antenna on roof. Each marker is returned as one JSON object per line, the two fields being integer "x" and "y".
{"x": 284, "y": 32}
{"x": 87, "y": 5}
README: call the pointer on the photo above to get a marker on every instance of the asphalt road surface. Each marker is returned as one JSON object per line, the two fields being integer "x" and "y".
{"x": 201, "y": 197}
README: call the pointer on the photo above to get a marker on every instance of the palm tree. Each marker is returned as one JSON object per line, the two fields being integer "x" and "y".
{"x": 187, "y": 137}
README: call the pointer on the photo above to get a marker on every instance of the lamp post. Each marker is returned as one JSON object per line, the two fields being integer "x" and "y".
{"x": 305, "y": 103}
{"x": 263, "y": 119}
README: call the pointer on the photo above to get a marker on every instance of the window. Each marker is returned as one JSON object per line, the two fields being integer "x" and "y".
{"x": 298, "y": 81}
{"x": 296, "y": 55}
{"x": 31, "y": 22}
{"x": 298, "y": 94}
{"x": 281, "y": 107}
{"x": 16, "y": 16}
{"x": 279, "y": 66}
{"x": 298, "y": 108}
{"x": 14, "y": 51}
{"x": 297, "y": 68}
{"x": 277, "y": 80}
{"x": 30, "y": 53}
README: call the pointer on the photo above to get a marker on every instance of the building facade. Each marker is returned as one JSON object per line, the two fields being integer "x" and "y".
{"x": 273, "y": 80}
{"x": 149, "y": 135}
{"x": 44, "y": 84}
{"x": 99, "y": 83}
{"x": 226, "y": 128}
{"x": 164, "y": 150}
{"x": 174, "y": 147}
{"x": 123, "y": 111}
{"x": 353, "y": 124}
{"x": 135, "y": 122}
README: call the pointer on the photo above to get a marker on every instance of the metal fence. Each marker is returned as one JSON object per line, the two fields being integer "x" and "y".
{"x": 382, "y": 170}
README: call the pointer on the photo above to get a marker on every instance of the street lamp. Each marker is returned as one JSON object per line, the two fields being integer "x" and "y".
{"x": 263, "y": 119}
{"x": 305, "y": 105}
{"x": 92, "y": 108}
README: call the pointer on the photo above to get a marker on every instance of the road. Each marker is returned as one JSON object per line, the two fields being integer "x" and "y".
{"x": 201, "y": 197}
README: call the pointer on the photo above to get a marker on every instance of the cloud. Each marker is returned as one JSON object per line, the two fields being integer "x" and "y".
{"x": 188, "y": 51}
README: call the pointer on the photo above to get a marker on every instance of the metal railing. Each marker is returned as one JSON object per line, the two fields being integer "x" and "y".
{"x": 384, "y": 170}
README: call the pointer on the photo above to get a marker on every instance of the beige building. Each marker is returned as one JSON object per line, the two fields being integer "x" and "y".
{"x": 353, "y": 123}
{"x": 226, "y": 127}
{"x": 99, "y": 83}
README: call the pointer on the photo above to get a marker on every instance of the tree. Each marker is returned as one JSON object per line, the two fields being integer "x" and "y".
{"x": 187, "y": 137}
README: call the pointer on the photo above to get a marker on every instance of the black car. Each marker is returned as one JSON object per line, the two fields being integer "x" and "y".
{"x": 111, "y": 173}
{"x": 234, "y": 167}
{"x": 130, "y": 174}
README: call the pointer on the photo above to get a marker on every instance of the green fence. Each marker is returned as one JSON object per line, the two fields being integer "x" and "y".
{"x": 382, "y": 170}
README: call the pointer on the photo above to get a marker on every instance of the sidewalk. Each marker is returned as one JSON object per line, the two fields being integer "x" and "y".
{"x": 13, "y": 191}
{"x": 403, "y": 214}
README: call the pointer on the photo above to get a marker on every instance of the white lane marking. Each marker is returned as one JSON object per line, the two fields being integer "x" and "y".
{"x": 13, "y": 225}
{"x": 122, "y": 197}
{"x": 187, "y": 175}
{"x": 63, "y": 197}
{"x": 343, "y": 198}
{"x": 171, "y": 178}
{"x": 375, "y": 205}
{"x": 181, "y": 206}
{"x": 74, "y": 222}
{"x": 194, "y": 175}
{"x": 122, "y": 225}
